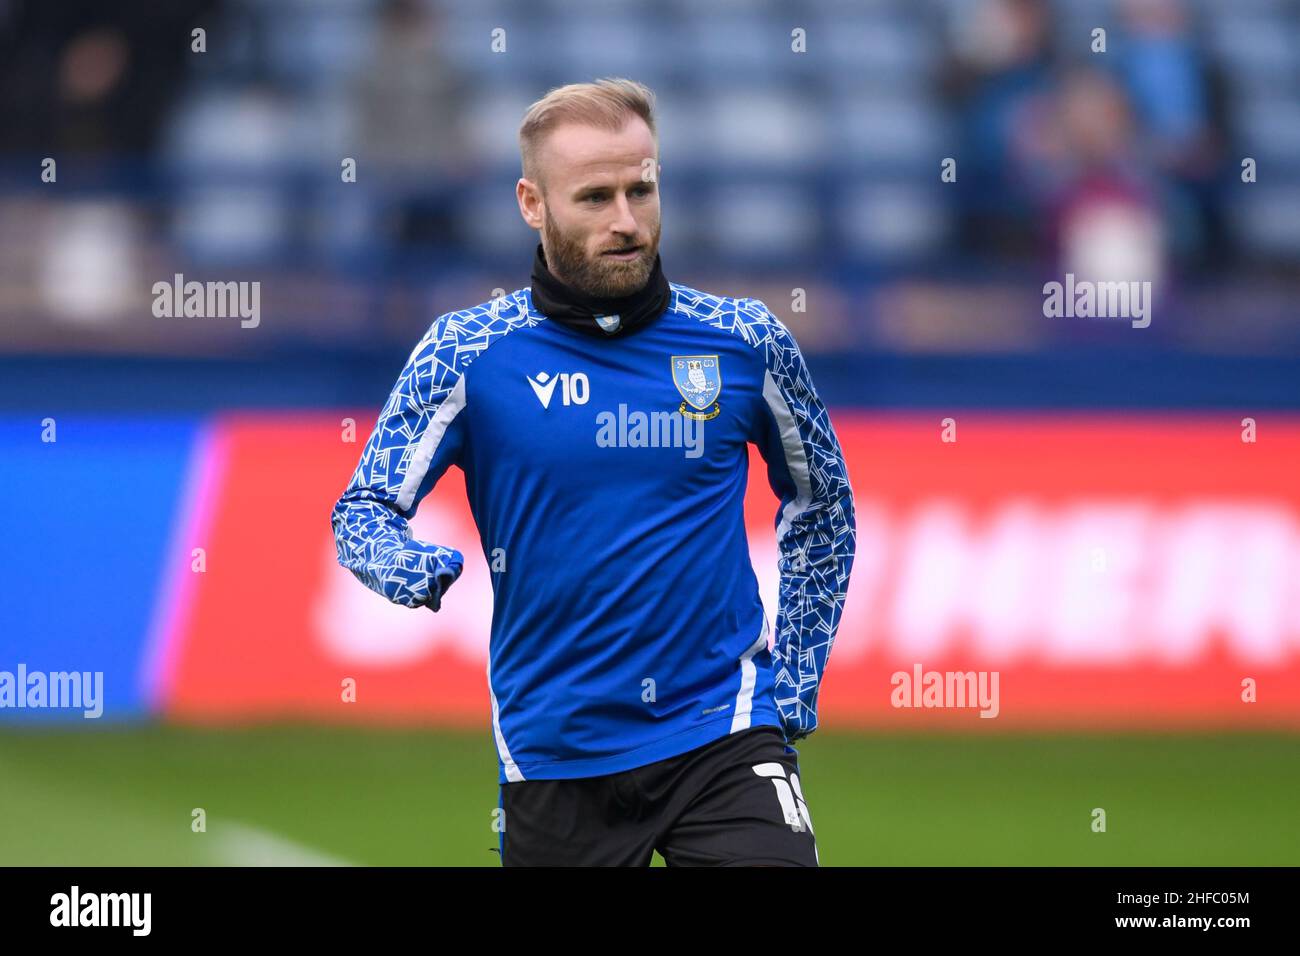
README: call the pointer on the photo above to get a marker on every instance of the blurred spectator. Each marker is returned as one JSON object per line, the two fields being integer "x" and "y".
{"x": 88, "y": 77}
{"x": 1162, "y": 70}
{"x": 1104, "y": 215}
{"x": 1000, "y": 77}
{"x": 409, "y": 123}
{"x": 1169, "y": 82}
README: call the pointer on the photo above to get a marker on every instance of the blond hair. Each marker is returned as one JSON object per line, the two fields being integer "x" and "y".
{"x": 607, "y": 103}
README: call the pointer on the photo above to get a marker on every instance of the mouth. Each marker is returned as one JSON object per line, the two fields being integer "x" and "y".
{"x": 623, "y": 255}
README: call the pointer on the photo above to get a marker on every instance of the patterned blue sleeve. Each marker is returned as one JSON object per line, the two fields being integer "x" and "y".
{"x": 419, "y": 434}
{"x": 815, "y": 525}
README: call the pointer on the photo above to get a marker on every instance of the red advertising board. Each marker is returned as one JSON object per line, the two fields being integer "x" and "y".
{"x": 1084, "y": 571}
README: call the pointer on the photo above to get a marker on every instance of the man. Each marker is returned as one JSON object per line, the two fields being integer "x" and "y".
{"x": 602, "y": 418}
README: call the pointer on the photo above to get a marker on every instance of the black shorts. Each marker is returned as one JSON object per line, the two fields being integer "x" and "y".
{"x": 734, "y": 802}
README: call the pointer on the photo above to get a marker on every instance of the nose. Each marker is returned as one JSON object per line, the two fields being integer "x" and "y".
{"x": 624, "y": 222}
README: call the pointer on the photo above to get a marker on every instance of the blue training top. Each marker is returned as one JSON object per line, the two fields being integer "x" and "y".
{"x": 607, "y": 480}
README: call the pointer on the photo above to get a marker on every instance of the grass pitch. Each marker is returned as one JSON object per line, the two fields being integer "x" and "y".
{"x": 126, "y": 795}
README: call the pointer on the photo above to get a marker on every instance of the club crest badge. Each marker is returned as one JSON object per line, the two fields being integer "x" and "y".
{"x": 699, "y": 381}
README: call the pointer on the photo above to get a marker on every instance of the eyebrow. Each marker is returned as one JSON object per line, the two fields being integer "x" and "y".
{"x": 601, "y": 187}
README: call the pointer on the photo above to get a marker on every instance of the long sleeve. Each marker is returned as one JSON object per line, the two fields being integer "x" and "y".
{"x": 419, "y": 434}
{"x": 815, "y": 525}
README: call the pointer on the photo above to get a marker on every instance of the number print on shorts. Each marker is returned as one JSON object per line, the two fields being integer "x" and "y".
{"x": 793, "y": 807}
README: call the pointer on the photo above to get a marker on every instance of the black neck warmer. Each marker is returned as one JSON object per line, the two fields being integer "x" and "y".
{"x": 564, "y": 304}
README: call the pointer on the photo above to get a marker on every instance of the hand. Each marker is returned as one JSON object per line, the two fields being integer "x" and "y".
{"x": 438, "y": 586}
{"x": 794, "y": 731}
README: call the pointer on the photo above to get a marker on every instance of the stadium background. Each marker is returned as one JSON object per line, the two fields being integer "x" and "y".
{"x": 1099, "y": 533}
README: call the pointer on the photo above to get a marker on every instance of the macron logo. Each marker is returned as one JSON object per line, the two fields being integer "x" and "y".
{"x": 543, "y": 388}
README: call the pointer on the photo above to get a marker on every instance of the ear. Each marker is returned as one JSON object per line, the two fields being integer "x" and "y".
{"x": 530, "y": 202}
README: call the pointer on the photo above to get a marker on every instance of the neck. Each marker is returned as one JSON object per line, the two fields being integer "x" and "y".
{"x": 605, "y": 317}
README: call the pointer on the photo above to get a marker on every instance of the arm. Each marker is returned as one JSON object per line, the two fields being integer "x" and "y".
{"x": 419, "y": 434}
{"x": 815, "y": 526}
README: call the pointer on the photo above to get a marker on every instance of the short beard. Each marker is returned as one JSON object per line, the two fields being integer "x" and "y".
{"x": 603, "y": 278}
